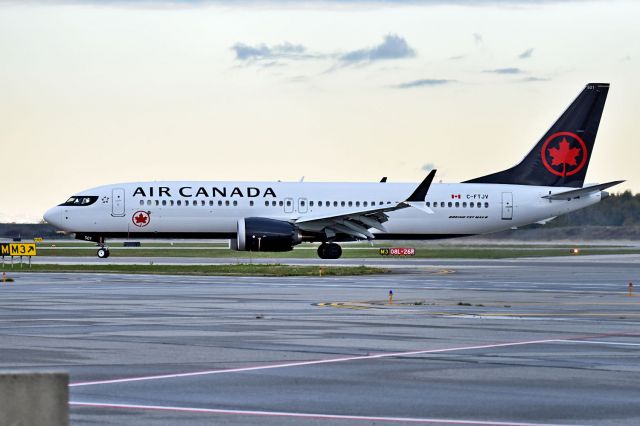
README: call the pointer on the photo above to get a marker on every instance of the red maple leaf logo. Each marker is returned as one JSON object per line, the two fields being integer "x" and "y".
{"x": 564, "y": 155}
{"x": 569, "y": 160}
{"x": 141, "y": 218}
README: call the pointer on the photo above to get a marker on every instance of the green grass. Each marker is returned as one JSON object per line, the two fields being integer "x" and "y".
{"x": 436, "y": 252}
{"x": 237, "y": 269}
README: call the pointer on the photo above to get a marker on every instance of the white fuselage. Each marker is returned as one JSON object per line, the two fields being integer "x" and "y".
{"x": 212, "y": 209}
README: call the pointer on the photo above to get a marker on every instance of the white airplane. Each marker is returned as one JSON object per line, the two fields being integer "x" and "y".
{"x": 276, "y": 216}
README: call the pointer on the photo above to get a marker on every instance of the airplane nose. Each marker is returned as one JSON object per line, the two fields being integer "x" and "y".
{"x": 52, "y": 216}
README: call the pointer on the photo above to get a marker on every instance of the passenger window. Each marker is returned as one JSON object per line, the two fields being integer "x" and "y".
{"x": 179, "y": 202}
{"x": 350, "y": 203}
{"x": 148, "y": 202}
{"x": 235, "y": 202}
{"x": 450, "y": 204}
{"x": 471, "y": 204}
{"x": 280, "y": 203}
{"x": 273, "y": 203}
{"x": 319, "y": 203}
{"x": 364, "y": 204}
{"x": 486, "y": 205}
{"x": 428, "y": 204}
{"x": 310, "y": 203}
{"x": 302, "y": 203}
{"x": 202, "y": 203}
{"x": 142, "y": 202}
{"x": 219, "y": 203}
{"x": 288, "y": 203}
{"x": 195, "y": 204}
{"x": 457, "y": 204}
{"x": 226, "y": 202}
{"x": 335, "y": 204}
{"x": 342, "y": 203}
{"x": 171, "y": 202}
{"x": 441, "y": 203}
{"x": 186, "y": 202}
{"x": 251, "y": 203}
{"x": 266, "y": 204}
{"x": 357, "y": 203}
{"x": 211, "y": 202}
{"x": 164, "y": 202}
{"x": 464, "y": 204}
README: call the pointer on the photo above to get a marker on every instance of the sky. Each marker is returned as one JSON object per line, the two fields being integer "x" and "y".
{"x": 100, "y": 92}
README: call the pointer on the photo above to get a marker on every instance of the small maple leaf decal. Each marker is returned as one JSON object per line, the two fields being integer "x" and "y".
{"x": 563, "y": 154}
{"x": 141, "y": 218}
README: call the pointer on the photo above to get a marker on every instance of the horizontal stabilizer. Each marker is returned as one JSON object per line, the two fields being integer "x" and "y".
{"x": 574, "y": 193}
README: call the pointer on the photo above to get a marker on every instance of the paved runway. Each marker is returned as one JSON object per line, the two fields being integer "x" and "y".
{"x": 545, "y": 341}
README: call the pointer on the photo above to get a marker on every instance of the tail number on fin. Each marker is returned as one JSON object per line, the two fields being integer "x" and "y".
{"x": 564, "y": 153}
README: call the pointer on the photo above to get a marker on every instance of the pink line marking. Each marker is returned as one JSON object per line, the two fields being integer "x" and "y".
{"x": 304, "y": 415}
{"x": 304, "y": 363}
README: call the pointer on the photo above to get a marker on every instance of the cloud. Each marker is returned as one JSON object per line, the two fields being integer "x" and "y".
{"x": 428, "y": 167}
{"x": 477, "y": 38}
{"x": 392, "y": 47}
{"x": 456, "y": 57}
{"x": 526, "y": 54}
{"x": 534, "y": 79}
{"x": 263, "y": 52}
{"x": 423, "y": 83}
{"x": 509, "y": 70}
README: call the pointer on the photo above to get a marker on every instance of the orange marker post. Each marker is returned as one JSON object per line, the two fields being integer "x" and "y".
{"x": 4, "y": 276}
{"x": 391, "y": 297}
{"x": 630, "y": 287}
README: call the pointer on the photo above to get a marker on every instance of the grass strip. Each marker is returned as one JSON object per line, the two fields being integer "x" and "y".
{"x": 244, "y": 269}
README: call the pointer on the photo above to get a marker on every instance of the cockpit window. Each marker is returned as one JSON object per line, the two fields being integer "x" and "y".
{"x": 80, "y": 200}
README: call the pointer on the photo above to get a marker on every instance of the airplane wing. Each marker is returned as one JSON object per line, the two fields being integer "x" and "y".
{"x": 356, "y": 223}
{"x": 575, "y": 193}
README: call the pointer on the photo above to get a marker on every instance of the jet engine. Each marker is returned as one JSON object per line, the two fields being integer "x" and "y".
{"x": 263, "y": 234}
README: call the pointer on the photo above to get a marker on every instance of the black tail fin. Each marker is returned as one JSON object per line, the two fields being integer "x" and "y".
{"x": 562, "y": 156}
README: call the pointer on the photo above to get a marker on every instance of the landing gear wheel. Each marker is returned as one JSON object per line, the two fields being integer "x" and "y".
{"x": 103, "y": 252}
{"x": 329, "y": 251}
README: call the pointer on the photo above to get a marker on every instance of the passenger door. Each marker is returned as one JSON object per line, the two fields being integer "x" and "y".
{"x": 117, "y": 202}
{"x": 302, "y": 205}
{"x": 288, "y": 205}
{"x": 507, "y": 205}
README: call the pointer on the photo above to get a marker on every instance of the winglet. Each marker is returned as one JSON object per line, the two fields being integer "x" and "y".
{"x": 421, "y": 191}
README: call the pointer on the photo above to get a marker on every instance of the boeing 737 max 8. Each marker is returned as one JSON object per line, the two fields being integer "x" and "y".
{"x": 276, "y": 216}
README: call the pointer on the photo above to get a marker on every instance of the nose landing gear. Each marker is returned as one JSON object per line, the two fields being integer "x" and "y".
{"x": 103, "y": 252}
{"x": 329, "y": 251}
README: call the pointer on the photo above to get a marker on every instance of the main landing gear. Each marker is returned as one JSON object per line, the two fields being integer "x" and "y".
{"x": 103, "y": 252}
{"x": 329, "y": 251}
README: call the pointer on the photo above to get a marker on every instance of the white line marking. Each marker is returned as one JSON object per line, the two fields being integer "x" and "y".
{"x": 305, "y": 363}
{"x": 304, "y": 415}
{"x": 596, "y": 342}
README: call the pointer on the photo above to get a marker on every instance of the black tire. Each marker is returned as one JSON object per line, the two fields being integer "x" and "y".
{"x": 322, "y": 251}
{"x": 103, "y": 253}
{"x": 333, "y": 251}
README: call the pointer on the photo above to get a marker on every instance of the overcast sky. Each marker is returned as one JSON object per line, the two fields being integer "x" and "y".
{"x": 98, "y": 92}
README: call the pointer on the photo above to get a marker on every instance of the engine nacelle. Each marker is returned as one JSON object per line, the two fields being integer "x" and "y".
{"x": 263, "y": 234}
